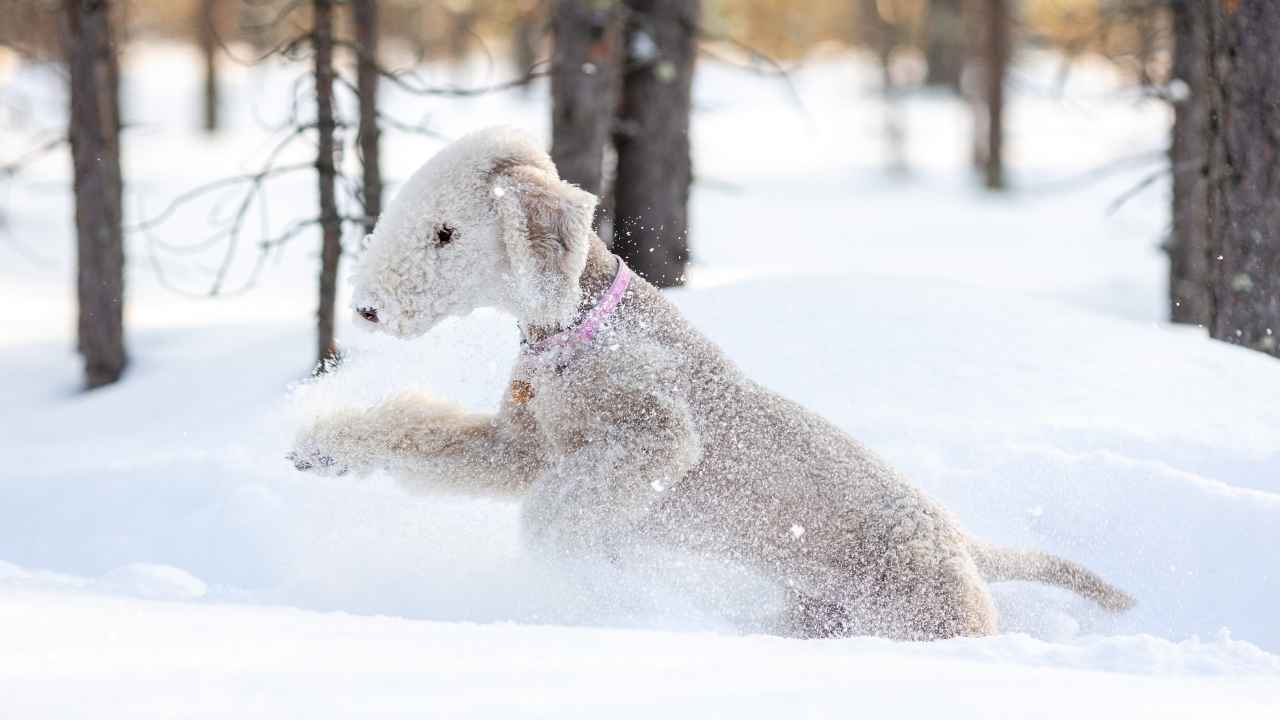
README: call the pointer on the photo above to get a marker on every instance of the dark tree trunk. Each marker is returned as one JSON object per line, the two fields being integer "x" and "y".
{"x": 995, "y": 27}
{"x": 945, "y": 50}
{"x": 881, "y": 36}
{"x": 1146, "y": 25}
{"x": 365, "y": 18}
{"x": 95, "y": 152}
{"x": 206, "y": 33}
{"x": 584, "y": 88}
{"x": 253, "y": 23}
{"x": 527, "y": 38}
{"x": 330, "y": 222}
{"x": 1244, "y": 172}
{"x": 462, "y": 34}
{"x": 1190, "y": 299}
{"x": 651, "y": 193}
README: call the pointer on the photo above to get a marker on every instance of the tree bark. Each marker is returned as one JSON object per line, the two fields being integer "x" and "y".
{"x": 996, "y": 30}
{"x": 330, "y": 222}
{"x": 365, "y": 18}
{"x": 462, "y": 33}
{"x": 654, "y": 168}
{"x": 1190, "y": 298}
{"x": 526, "y": 39}
{"x": 95, "y": 152}
{"x": 1145, "y": 19}
{"x": 584, "y": 87}
{"x": 206, "y": 34}
{"x": 945, "y": 51}
{"x": 1244, "y": 179}
{"x": 882, "y": 36}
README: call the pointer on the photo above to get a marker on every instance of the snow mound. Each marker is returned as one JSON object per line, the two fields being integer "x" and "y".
{"x": 163, "y": 659}
{"x": 9, "y": 571}
{"x": 152, "y": 582}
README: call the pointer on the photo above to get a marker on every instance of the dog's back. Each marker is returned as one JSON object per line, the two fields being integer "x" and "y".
{"x": 781, "y": 488}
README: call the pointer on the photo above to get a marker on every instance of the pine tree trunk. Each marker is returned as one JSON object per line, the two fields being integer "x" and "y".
{"x": 365, "y": 18}
{"x": 461, "y": 23}
{"x": 895, "y": 121}
{"x": 944, "y": 49}
{"x": 654, "y": 168}
{"x": 95, "y": 152}
{"x": 1146, "y": 26}
{"x": 1244, "y": 179}
{"x": 882, "y": 37}
{"x": 330, "y": 222}
{"x": 253, "y": 24}
{"x": 526, "y": 38}
{"x": 996, "y": 27}
{"x": 1190, "y": 299}
{"x": 584, "y": 87}
{"x": 205, "y": 32}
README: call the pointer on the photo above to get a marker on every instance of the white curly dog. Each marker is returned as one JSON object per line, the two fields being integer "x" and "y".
{"x": 626, "y": 428}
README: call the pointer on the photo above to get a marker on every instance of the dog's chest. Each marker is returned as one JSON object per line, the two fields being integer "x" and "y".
{"x": 546, "y": 392}
{"x": 529, "y": 381}
{"x": 521, "y": 392}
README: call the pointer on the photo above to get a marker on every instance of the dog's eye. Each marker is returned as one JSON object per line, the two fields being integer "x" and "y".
{"x": 443, "y": 235}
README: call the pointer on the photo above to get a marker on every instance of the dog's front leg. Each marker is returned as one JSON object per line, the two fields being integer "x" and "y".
{"x": 336, "y": 444}
{"x": 429, "y": 446}
{"x": 627, "y": 451}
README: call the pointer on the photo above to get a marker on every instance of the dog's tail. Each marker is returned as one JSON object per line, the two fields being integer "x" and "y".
{"x": 999, "y": 563}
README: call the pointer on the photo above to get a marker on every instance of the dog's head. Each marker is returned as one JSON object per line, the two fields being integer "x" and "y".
{"x": 487, "y": 222}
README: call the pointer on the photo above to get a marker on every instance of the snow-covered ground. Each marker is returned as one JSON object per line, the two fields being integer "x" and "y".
{"x": 158, "y": 557}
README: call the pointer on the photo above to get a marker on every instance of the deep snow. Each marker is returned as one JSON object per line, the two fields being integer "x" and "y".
{"x": 158, "y": 556}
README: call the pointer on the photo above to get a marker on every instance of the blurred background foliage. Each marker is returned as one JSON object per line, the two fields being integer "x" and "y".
{"x": 1126, "y": 31}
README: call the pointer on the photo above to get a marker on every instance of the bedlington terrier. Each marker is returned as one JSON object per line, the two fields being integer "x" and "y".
{"x": 625, "y": 427}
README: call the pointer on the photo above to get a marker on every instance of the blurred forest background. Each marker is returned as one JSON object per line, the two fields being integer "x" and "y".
{"x": 619, "y": 74}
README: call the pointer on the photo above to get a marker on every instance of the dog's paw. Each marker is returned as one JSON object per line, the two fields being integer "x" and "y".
{"x": 317, "y": 462}
{"x": 326, "y": 448}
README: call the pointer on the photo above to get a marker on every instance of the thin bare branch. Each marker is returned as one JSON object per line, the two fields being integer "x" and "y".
{"x": 417, "y": 129}
{"x": 253, "y": 179}
{"x": 771, "y": 68}
{"x": 16, "y": 165}
{"x": 1191, "y": 165}
{"x": 410, "y": 82}
{"x": 1111, "y": 167}
{"x": 285, "y": 47}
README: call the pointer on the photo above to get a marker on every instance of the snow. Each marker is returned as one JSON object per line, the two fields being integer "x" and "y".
{"x": 158, "y": 557}
{"x": 143, "y": 659}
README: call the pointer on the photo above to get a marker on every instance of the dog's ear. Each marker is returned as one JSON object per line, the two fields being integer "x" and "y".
{"x": 545, "y": 225}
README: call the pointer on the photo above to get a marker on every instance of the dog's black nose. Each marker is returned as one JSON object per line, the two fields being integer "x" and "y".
{"x": 367, "y": 313}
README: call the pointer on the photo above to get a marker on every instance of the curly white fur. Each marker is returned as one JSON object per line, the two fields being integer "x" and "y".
{"x": 646, "y": 436}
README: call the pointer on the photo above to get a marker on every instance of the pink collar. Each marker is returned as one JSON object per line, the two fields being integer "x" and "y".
{"x": 589, "y": 325}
